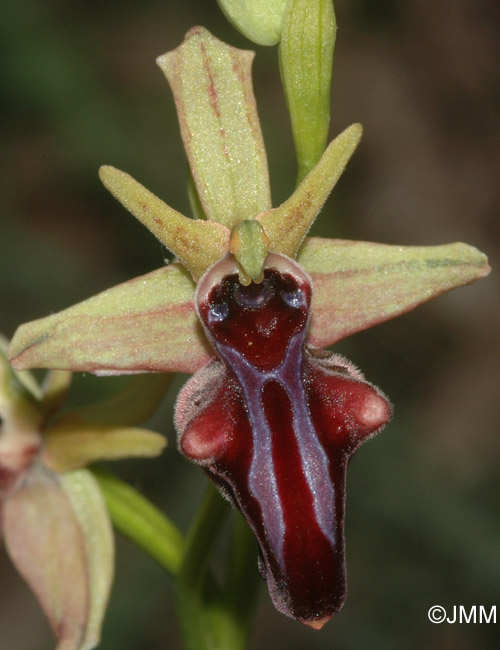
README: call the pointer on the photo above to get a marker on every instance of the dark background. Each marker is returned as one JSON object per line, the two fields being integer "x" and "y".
{"x": 80, "y": 88}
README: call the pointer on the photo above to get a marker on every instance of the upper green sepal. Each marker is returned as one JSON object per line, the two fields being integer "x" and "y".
{"x": 212, "y": 86}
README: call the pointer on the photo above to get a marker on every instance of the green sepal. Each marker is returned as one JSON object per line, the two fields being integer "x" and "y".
{"x": 357, "y": 285}
{"x": 58, "y": 535}
{"x": 212, "y": 87}
{"x": 90, "y": 510}
{"x": 144, "y": 325}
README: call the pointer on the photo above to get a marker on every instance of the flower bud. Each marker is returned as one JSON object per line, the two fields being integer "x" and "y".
{"x": 259, "y": 20}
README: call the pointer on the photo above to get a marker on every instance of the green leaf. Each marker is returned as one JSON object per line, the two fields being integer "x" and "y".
{"x": 144, "y": 325}
{"x": 259, "y": 20}
{"x": 359, "y": 284}
{"x": 212, "y": 87}
{"x": 306, "y": 58}
{"x": 287, "y": 225}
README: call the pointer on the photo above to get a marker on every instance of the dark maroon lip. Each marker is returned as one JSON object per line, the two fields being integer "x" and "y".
{"x": 274, "y": 426}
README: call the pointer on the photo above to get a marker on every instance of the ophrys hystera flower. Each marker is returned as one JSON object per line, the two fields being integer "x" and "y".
{"x": 272, "y": 420}
{"x": 53, "y": 517}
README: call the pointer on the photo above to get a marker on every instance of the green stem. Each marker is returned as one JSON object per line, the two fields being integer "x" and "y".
{"x": 242, "y": 585}
{"x": 209, "y": 618}
{"x": 193, "y": 602}
{"x": 137, "y": 518}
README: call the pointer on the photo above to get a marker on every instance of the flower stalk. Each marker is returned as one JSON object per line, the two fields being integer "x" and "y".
{"x": 191, "y": 598}
{"x": 306, "y": 60}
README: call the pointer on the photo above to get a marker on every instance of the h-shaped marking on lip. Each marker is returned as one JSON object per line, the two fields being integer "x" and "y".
{"x": 314, "y": 461}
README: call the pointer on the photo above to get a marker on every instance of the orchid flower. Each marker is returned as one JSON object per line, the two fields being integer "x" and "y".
{"x": 53, "y": 516}
{"x": 248, "y": 308}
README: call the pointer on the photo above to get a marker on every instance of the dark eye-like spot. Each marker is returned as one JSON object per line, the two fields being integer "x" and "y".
{"x": 293, "y": 299}
{"x": 218, "y": 312}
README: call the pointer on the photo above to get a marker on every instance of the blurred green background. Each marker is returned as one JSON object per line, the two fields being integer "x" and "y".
{"x": 80, "y": 88}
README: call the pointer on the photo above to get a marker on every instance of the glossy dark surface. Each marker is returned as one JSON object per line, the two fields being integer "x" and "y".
{"x": 257, "y": 320}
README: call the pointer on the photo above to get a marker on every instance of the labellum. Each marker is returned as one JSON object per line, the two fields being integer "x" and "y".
{"x": 274, "y": 423}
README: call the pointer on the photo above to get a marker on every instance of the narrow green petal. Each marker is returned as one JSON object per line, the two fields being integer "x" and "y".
{"x": 359, "y": 284}
{"x": 198, "y": 244}
{"x": 287, "y": 225}
{"x": 91, "y": 513}
{"x": 260, "y": 21}
{"x": 73, "y": 444}
{"x": 306, "y": 58}
{"x": 145, "y": 325}
{"x": 212, "y": 87}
